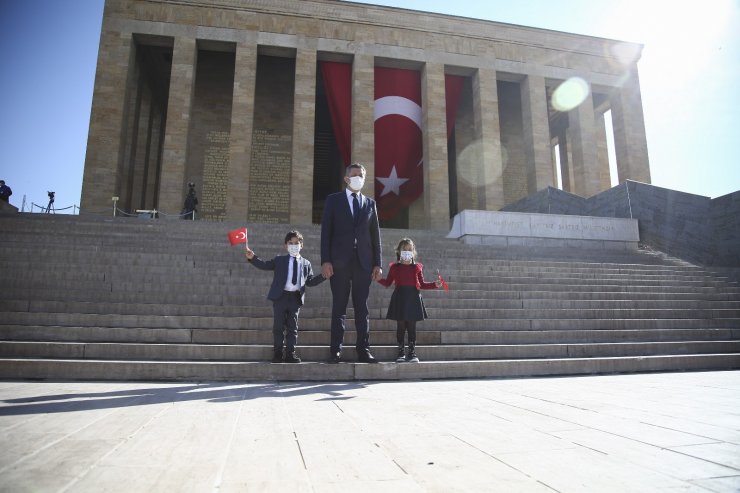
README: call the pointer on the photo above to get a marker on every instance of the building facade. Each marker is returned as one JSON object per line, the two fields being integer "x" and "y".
{"x": 263, "y": 103}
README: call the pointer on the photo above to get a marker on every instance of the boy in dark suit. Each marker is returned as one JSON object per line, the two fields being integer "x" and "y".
{"x": 287, "y": 292}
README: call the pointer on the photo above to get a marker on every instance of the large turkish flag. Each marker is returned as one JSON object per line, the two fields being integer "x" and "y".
{"x": 399, "y": 176}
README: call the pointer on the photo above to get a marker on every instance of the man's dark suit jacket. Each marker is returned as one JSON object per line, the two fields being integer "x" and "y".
{"x": 280, "y": 265}
{"x": 338, "y": 233}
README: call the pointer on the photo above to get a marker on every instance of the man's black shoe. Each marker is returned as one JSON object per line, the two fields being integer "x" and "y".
{"x": 292, "y": 357}
{"x": 277, "y": 356}
{"x": 335, "y": 357}
{"x": 364, "y": 356}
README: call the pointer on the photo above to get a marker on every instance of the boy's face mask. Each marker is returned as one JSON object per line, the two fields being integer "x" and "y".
{"x": 294, "y": 250}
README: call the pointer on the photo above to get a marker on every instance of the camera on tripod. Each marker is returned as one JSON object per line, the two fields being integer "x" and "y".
{"x": 50, "y": 207}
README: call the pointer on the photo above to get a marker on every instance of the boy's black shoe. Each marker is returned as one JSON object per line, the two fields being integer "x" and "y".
{"x": 277, "y": 356}
{"x": 364, "y": 356}
{"x": 292, "y": 357}
{"x": 335, "y": 357}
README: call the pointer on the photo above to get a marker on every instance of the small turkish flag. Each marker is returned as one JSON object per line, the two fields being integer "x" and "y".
{"x": 444, "y": 283}
{"x": 238, "y": 236}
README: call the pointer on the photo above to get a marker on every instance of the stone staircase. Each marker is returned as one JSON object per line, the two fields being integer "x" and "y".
{"x": 95, "y": 298}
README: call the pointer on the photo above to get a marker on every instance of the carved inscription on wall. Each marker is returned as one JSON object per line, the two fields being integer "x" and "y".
{"x": 215, "y": 176}
{"x": 269, "y": 177}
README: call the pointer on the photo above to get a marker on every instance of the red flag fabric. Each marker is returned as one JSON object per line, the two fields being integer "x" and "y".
{"x": 338, "y": 86}
{"x": 399, "y": 176}
{"x": 238, "y": 236}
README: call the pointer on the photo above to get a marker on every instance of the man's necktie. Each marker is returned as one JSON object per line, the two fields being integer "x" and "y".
{"x": 355, "y": 208}
{"x": 295, "y": 271}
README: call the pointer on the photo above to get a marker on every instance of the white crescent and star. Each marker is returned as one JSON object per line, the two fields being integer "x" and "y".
{"x": 392, "y": 183}
{"x": 241, "y": 236}
{"x": 396, "y": 105}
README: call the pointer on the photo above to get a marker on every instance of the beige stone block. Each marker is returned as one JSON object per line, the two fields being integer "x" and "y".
{"x": 104, "y": 141}
{"x": 585, "y": 163}
{"x": 240, "y": 140}
{"x": 436, "y": 174}
{"x": 487, "y": 129}
{"x": 304, "y": 112}
{"x": 536, "y": 126}
{"x": 363, "y": 124}
{"x": 174, "y": 154}
{"x": 630, "y": 141}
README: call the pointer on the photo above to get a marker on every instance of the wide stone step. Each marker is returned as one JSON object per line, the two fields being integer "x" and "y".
{"x": 261, "y": 308}
{"x": 379, "y": 337}
{"x": 209, "y": 266}
{"x": 473, "y": 313}
{"x": 58, "y": 369}
{"x": 231, "y": 288}
{"x": 29, "y": 256}
{"x": 379, "y": 298}
{"x": 319, "y": 323}
{"x": 213, "y": 255}
{"x": 254, "y": 352}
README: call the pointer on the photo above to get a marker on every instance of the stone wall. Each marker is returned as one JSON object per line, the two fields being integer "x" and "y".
{"x": 688, "y": 226}
{"x": 724, "y": 213}
{"x": 551, "y": 201}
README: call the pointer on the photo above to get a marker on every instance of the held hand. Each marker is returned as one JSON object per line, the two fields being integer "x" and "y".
{"x": 438, "y": 283}
{"x": 249, "y": 253}
{"x": 327, "y": 270}
{"x": 377, "y": 273}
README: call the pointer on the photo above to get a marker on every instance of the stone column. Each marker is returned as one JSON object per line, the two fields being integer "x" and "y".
{"x": 583, "y": 148}
{"x": 488, "y": 137}
{"x": 240, "y": 137}
{"x": 105, "y": 137}
{"x": 363, "y": 125}
{"x": 172, "y": 183}
{"x": 304, "y": 111}
{"x": 536, "y": 127}
{"x": 436, "y": 196}
{"x": 630, "y": 142}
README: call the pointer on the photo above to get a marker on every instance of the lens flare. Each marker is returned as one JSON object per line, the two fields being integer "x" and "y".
{"x": 570, "y": 94}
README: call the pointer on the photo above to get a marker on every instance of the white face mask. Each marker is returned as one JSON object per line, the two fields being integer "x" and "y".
{"x": 356, "y": 183}
{"x": 407, "y": 256}
{"x": 294, "y": 250}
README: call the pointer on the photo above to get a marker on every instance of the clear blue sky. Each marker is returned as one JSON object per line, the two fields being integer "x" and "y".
{"x": 689, "y": 72}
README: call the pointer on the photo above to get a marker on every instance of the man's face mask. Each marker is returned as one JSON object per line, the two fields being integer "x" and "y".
{"x": 356, "y": 183}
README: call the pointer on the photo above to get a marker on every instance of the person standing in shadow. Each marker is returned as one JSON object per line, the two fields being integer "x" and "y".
{"x": 350, "y": 259}
{"x": 5, "y": 192}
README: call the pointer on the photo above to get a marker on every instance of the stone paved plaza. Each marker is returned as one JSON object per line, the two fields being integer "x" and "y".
{"x": 649, "y": 432}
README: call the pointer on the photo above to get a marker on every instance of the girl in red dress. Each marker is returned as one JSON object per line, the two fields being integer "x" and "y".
{"x": 406, "y": 306}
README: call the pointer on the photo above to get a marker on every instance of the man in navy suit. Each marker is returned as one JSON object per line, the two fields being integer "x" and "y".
{"x": 287, "y": 292}
{"x": 350, "y": 259}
